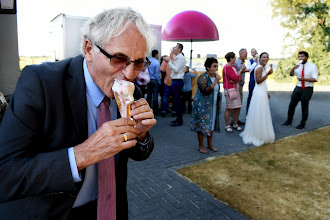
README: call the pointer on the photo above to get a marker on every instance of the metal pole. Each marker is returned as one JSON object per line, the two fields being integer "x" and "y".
{"x": 191, "y": 54}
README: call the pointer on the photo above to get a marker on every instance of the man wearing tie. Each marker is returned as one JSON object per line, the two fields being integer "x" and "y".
{"x": 307, "y": 75}
{"x": 63, "y": 146}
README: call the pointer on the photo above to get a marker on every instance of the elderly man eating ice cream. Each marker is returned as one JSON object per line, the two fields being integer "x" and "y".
{"x": 63, "y": 146}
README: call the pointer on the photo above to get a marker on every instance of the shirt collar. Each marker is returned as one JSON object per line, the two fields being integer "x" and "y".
{"x": 92, "y": 89}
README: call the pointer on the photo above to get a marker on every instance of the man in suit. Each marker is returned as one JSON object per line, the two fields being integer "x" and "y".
{"x": 50, "y": 147}
{"x": 252, "y": 65}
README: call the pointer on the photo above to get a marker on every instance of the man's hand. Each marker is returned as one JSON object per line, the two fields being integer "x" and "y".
{"x": 144, "y": 117}
{"x": 167, "y": 59}
{"x": 295, "y": 66}
{"x": 243, "y": 68}
{"x": 255, "y": 59}
{"x": 106, "y": 141}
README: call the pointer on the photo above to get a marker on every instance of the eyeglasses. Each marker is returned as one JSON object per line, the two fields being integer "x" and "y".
{"x": 122, "y": 61}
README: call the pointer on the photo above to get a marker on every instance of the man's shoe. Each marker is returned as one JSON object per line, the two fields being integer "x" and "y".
{"x": 163, "y": 114}
{"x": 176, "y": 124}
{"x": 300, "y": 126}
{"x": 286, "y": 124}
{"x": 240, "y": 122}
{"x": 174, "y": 121}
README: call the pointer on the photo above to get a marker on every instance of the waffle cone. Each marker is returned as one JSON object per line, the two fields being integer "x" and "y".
{"x": 123, "y": 108}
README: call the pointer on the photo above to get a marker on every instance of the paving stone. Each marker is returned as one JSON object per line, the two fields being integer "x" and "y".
{"x": 207, "y": 216}
{"x": 191, "y": 216}
{"x": 179, "y": 213}
{"x": 222, "y": 217}
{"x": 162, "y": 214}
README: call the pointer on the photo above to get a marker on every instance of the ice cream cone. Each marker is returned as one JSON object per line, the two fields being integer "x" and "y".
{"x": 123, "y": 91}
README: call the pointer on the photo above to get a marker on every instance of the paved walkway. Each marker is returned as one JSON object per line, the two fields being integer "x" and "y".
{"x": 157, "y": 191}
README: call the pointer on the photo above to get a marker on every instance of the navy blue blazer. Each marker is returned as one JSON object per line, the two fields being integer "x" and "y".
{"x": 47, "y": 114}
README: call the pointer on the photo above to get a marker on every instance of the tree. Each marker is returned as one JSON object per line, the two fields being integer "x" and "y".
{"x": 309, "y": 30}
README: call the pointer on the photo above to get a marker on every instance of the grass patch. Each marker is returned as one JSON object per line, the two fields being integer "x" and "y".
{"x": 289, "y": 179}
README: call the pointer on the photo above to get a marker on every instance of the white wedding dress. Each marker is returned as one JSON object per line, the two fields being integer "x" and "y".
{"x": 259, "y": 126}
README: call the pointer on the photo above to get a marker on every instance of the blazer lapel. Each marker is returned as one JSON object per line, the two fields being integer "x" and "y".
{"x": 76, "y": 92}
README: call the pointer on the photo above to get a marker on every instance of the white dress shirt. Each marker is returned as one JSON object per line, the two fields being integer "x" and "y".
{"x": 178, "y": 67}
{"x": 310, "y": 71}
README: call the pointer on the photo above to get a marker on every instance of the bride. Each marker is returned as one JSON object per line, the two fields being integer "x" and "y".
{"x": 259, "y": 127}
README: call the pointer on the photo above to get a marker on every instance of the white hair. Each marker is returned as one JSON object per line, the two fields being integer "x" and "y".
{"x": 112, "y": 23}
{"x": 241, "y": 51}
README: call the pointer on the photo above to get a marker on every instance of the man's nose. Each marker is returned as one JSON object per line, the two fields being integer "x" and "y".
{"x": 129, "y": 72}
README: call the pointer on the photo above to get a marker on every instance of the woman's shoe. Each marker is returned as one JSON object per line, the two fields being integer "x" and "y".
{"x": 228, "y": 129}
{"x": 238, "y": 128}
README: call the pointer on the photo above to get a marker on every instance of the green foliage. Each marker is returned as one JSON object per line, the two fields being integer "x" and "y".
{"x": 309, "y": 30}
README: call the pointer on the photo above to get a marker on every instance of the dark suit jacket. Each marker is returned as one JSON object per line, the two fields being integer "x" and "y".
{"x": 47, "y": 114}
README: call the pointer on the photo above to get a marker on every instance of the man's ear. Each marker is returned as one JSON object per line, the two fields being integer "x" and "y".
{"x": 88, "y": 49}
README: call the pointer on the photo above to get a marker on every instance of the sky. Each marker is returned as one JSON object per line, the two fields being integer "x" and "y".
{"x": 240, "y": 23}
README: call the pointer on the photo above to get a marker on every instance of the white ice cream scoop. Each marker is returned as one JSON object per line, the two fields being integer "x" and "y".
{"x": 299, "y": 62}
{"x": 123, "y": 91}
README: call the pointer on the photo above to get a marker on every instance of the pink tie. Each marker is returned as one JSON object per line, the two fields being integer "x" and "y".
{"x": 303, "y": 76}
{"x": 106, "y": 201}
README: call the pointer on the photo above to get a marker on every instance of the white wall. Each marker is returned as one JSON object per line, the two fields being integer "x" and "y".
{"x": 158, "y": 33}
{"x": 9, "y": 59}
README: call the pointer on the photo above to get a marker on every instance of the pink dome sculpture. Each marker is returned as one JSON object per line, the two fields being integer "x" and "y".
{"x": 190, "y": 25}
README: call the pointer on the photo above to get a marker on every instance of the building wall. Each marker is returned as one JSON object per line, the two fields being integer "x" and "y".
{"x": 9, "y": 58}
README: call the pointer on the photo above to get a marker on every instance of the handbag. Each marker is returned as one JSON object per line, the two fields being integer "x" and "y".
{"x": 232, "y": 93}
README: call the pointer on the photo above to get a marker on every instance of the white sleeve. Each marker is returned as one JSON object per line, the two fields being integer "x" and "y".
{"x": 177, "y": 66}
{"x": 73, "y": 165}
{"x": 252, "y": 67}
{"x": 315, "y": 72}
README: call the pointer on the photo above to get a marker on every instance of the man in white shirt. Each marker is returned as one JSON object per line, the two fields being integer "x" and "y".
{"x": 307, "y": 75}
{"x": 177, "y": 66}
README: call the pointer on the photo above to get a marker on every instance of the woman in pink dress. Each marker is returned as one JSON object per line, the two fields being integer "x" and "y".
{"x": 231, "y": 77}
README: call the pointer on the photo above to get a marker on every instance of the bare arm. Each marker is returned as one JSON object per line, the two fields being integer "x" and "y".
{"x": 307, "y": 79}
{"x": 259, "y": 77}
{"x": 292, "y": 70}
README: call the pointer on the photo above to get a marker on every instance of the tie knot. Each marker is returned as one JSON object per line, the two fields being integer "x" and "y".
{"x": 105, "y": 100}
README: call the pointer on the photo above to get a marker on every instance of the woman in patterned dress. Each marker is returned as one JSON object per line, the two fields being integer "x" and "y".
{"x": 206, "y": 105}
